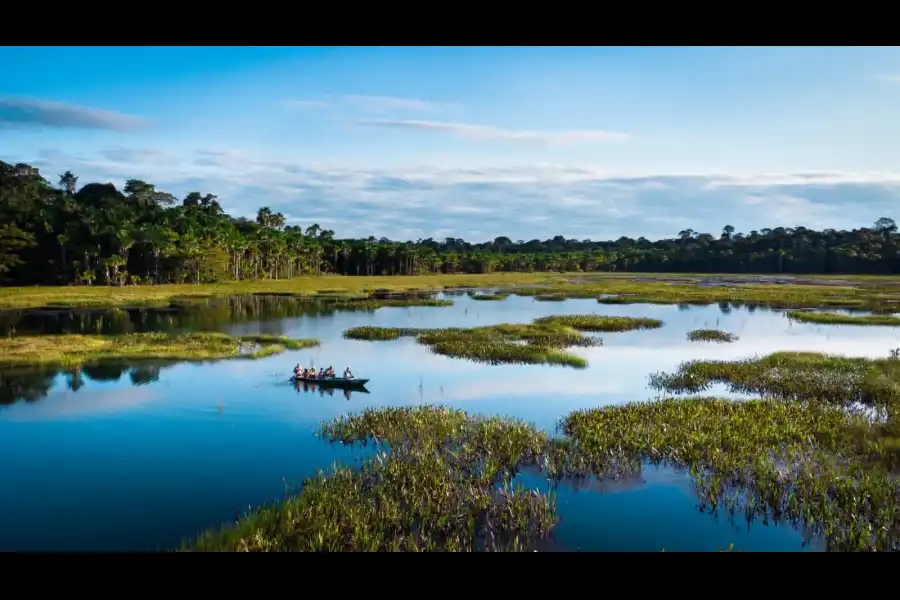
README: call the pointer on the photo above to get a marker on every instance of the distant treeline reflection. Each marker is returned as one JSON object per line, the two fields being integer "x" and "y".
{"x": 186, "y": 315}
{"x": 34, "y": 383}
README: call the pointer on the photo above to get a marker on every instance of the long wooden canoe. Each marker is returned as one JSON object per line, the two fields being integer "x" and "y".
{"x": 332, "y": 382}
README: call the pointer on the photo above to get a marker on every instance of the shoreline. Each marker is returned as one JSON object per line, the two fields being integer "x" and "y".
{"x": 794, "y": 290}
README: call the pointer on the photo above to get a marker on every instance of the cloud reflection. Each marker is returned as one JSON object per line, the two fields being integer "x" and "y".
{"x": 65, "y": 404}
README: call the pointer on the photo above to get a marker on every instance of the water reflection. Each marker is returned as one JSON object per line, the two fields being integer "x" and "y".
{"x": 31, "y": 384}
{"x": 211, "y": 314}
{"x": 196, "y": 315}
{"x": 126, "y": 456}
{"x": 306, "y": 387}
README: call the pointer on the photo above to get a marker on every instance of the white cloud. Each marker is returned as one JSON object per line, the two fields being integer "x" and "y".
{"x": 520, "y": 202}
{"x": 374, "y": 104}
{"x": 122, "y": 154}
{"x": 489, "y": 133}
{"x": 43, "y": 113}
{"x": 59, "y": 404}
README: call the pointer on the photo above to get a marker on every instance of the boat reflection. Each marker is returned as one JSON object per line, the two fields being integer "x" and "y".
{"x": 311, "y": 388}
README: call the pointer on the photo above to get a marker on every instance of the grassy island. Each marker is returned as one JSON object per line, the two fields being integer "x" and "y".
{"x": 539, "y": 342}
{"x": 821, "y": 318}
{"x": 447, "y": 481}
{"x": 73, "y": 350}
{"x": 711, "y": 335}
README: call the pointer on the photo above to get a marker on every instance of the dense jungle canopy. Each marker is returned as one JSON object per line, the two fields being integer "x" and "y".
{"x": 96, "y": 233}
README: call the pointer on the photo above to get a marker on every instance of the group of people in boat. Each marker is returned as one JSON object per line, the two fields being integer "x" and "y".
{"x": 311, "y": 373}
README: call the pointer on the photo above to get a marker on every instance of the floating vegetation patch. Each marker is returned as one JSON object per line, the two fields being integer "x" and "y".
{"x": 551, "y": 297}
{"x": 489, "y": 297}
{"x": 808, "y": 464}
{"x": 600, "y": 322}
{"x": 416, "y": 302}
{"x": 841, "y": 319}
{"x": 374, "y": 304}
{"x": 440, "y": 481}
{"x": 379, "y": 333}
{"x": 507, "y": 344}
{"x": 535, "y": 343}
{"x": 70, "y": 350}
{"x": 792, "y": 376}
{"x": 711, "y": 335}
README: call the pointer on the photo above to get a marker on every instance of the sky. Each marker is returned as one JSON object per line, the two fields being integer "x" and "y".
{"x": 409, "y": 142}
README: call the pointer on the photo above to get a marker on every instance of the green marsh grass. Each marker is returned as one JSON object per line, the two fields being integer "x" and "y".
{"x": 71, "y": 350}
{"x": 873, "y": 294}
{"x": 375, "y": 334}
{"x": 841, "y": 319}
{"x": 801, "y": 463}
{"x": 535, "y": 343}
{"x": 544, "y": 297}
{"x": 439, "y": 481}
{"x": 600, "y": 322}
{"x": 442, "y": 480}
{"x": 325, "y": 286}
{"x": 792, "y": 376}
{"x": 711, "y": 335}
{"x": 489, "y": 297}
{"x": 372, "y": 304}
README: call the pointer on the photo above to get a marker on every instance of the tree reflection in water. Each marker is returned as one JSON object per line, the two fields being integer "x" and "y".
{"x": 34, "y": 383}
{"x": 206, "y": 314}
{"x": 186, "y": 314}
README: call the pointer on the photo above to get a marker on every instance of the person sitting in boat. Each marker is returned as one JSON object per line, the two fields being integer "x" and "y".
{"x": 303, "y": 372}
{"x": 330, "y": 372}
{"x": 298, "y": 371}
{"x": 348, "y": 374}
{"x": 311, "y": 374}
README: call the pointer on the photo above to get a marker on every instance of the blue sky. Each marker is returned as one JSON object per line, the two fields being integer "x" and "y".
{"x": 476, "y": 142}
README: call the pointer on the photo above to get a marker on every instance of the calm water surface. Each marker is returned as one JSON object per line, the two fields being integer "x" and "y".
{"x": 130, "y": 458}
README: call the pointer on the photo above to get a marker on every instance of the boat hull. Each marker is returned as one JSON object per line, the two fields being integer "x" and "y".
{"x": 333, "y": 382}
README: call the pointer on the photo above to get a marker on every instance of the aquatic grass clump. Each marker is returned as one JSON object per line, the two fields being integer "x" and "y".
{"x": 489, "y": 297}
{"x": 600, "y": 322}
{"x": 72, "y": 350}
{"x": 796, "y": 462}
{"x": 792, "y": 376}
{"x": 840, "y": 319}
{"x": 551, "y": 297}
{"x": 493, "y": 346}
{"x": 527, "y": 344}
{"x": 370, "y": 333}
{"x": 373, "y": 304}
{"x": 711, "y": 335}
{"x": 440, "y": 481}
{"x": 403, "y": 302}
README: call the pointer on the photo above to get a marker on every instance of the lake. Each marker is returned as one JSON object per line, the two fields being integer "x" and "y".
{"x": 137, "y": 457}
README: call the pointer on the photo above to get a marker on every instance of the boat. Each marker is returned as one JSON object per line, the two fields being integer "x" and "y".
{"x": 332, "y": 382}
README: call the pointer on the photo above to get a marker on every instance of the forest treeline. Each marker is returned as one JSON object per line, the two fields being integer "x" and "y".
{"x": 63, "y": 233}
